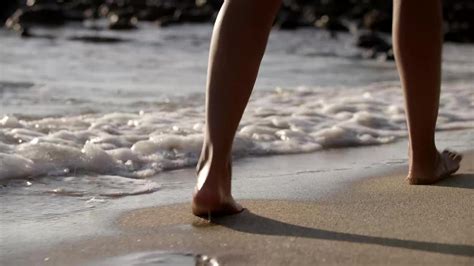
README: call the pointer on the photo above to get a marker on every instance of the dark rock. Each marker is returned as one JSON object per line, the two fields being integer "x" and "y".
{"x": 374, "y": 45}
{"x": 7, "y": 8}
{"x": 459, "y": 20}
{"x": 369, "y": 39}
{"x": 124, "y": 20}
{"x": 76, "y": 10}
{"x": 376, "y": 20}
{"x": 331, "y": 15}
{"x": 288, "y": 19}
{"x": 330, "y": 24}
{"x": 97, "y": 39}
{"x": 44, "y": 15}
{"x": 154, "y": 13}
{"x": 25, "y": 33}
{"x": 194, "y": 15}
{"x": 458, "y": 32}
{"x": 167, "y": 21}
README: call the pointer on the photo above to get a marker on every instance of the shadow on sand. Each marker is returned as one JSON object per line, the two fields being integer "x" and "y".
{"x": 459, "y": 181}
{"x": 248, "y": 222}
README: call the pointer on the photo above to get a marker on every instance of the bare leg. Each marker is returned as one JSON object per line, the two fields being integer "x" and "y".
{"x": 417, "y": 38}
{"x": 237, "y": 47}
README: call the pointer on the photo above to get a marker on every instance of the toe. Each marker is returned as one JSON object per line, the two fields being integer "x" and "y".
{"x": 458, "y": 157}
{"x": 452, "y": 155}
{"x": 451, "y": 162}
{"x": 449, "y": 153}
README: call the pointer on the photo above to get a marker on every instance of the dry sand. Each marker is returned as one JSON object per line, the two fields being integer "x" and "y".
{"x": 379, "y": 220}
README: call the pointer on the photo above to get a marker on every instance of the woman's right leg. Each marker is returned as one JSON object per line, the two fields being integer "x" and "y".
{"x": 237, "y": 47}
{"x": 417, "y": 39}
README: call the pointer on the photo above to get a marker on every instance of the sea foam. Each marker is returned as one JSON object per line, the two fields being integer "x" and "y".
{"x": 169, "y": 136}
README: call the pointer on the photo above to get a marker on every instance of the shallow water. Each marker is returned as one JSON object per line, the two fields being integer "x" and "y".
{"x": 57, "y": 76}
{"x": 158, "y": 258}
{"x": 98, "y": 119}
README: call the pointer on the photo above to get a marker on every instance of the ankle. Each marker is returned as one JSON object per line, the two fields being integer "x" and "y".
{"x": 210, "y": 168}
{"x": 423, "y": 151}
{"x": 213, "y": 159}
{"x": 213, "y": 175}
{"x": 423, "y": 161}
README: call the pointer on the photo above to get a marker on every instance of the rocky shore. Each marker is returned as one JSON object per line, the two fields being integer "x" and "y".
{"x": 368, "y": 20}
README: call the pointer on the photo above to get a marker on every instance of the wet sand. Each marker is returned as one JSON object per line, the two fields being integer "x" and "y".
{"x": 376, "y": 220}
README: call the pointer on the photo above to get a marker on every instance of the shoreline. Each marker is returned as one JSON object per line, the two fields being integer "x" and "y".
{"x": 345, "y": 208}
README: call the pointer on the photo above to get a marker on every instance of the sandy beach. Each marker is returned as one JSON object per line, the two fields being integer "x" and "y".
{"x": 346, "y": 216}
{"x": 103, "y": 118}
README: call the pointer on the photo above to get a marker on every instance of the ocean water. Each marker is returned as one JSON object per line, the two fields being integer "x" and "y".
{"x": 81, "y": 118}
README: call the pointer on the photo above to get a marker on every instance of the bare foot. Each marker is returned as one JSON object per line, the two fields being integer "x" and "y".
{"x": 447, "y": 163}
{"x": 209, "y": 203}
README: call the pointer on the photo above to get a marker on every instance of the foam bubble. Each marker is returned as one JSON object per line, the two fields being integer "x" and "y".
{"x": 10, "y": 121}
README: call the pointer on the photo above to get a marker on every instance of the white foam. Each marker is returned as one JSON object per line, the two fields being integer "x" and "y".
{"x": 169, "y": 136}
